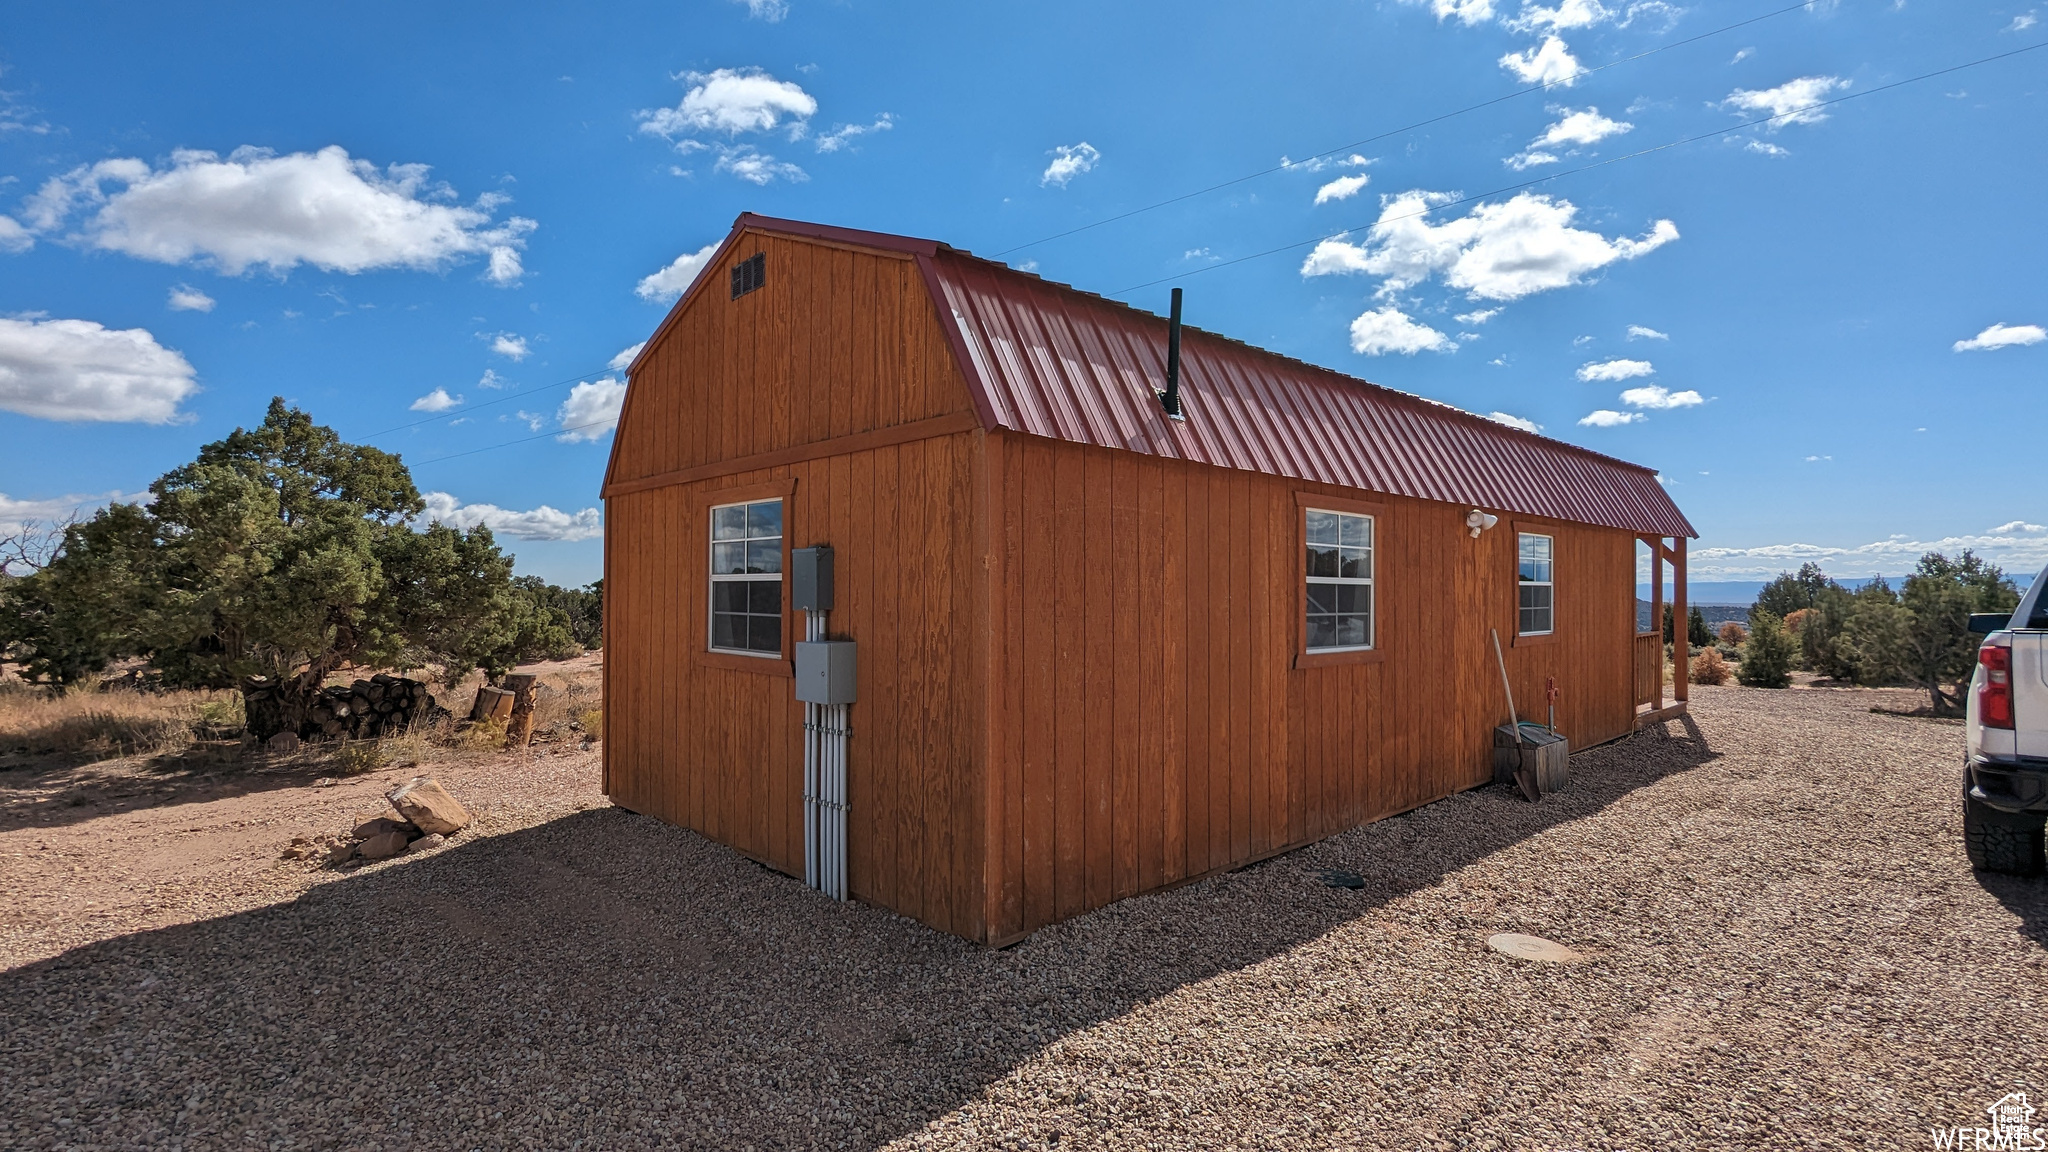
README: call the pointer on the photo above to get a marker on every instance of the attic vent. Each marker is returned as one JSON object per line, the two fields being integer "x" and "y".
{"x": 749, "y": 274}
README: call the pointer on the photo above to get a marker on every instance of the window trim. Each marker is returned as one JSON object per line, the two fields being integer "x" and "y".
{"x": 701, "y": 651}
{"x": 1533, "y": 528}
{"x": 1325, "y": 658}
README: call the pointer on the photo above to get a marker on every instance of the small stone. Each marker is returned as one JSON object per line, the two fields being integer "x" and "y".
{"x": 1532, "y": 948}
{"x": 427, "y": 843}
{"x": 341, "y": 853}
{"x": 427, "y": 804}
{"x": 382, "y": 846}
{"x": 298, "y": 852}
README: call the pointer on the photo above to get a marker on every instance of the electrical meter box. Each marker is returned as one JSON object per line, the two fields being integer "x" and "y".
{"x": 810, "y": 579}
{"x": 824, "y": 671}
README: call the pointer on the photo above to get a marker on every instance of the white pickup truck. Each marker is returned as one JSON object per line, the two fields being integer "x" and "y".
{"x": 2005, "y": 774}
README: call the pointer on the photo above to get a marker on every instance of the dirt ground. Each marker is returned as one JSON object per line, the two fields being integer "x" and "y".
{"x": 1782, "y": 946}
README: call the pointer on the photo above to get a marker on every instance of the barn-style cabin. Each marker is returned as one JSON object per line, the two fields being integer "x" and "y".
{"x": 1100, "y": 650}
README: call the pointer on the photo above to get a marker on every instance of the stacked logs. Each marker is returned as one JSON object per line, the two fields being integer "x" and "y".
{"x": 367, "y": 709}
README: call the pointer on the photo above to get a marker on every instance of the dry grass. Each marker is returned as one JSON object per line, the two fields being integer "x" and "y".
{"x": 96, "y": 725}
{"x": 88, "y": 724}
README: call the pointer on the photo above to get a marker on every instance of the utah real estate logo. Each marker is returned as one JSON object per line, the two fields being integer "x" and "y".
{"x": 2012, "y": 1129}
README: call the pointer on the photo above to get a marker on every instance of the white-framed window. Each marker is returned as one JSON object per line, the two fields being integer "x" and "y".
{"x": 746, "y": 578}
{"x": 1535, "y": 594}
{"x": 1339, "y": 581}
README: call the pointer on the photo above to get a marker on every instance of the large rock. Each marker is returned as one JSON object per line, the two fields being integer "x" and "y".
{"x": 427, "y": 804}
{"x": 383, "y": 824}
{"x": 382, "y": 846}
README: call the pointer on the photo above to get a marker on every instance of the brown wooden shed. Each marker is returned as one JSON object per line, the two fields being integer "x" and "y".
{"x": 1100, "y": 651}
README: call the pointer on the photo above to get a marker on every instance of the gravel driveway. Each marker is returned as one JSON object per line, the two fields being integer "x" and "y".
{"x": 1783, "y": 946}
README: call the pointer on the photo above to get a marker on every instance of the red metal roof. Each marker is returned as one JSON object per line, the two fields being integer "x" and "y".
{"x": 1048, "y": 360}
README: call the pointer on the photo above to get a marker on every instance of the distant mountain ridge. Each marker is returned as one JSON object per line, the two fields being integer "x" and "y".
{"x": 1742, "y": 593}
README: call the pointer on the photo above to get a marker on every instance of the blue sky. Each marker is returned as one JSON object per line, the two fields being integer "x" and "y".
{"x": 1818, "y": 329}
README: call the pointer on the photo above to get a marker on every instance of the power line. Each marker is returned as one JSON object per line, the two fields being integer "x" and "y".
{"x": 1544, "y": 87}
{"x": 576, "y": 379}
{"x": 521, "y": 440}
{"x": 1582, "y": 168}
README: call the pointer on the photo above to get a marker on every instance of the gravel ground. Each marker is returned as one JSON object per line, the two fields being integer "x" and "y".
{"x": 1783, "y": 946}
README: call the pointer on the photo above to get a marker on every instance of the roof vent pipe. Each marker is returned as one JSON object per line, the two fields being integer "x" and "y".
{"x": 1170, "y": 399}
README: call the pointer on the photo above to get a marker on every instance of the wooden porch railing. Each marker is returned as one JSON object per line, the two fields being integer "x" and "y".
{"x": 1649, "y": 669}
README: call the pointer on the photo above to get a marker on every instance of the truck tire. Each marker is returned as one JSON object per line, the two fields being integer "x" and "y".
{"x": 2002, "y": 841}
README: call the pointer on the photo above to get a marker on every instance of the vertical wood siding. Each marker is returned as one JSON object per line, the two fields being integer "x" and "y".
{"x": 837, "y": 343}
{"x": 719, "y": 750}
{"x": 1148, "y": 725}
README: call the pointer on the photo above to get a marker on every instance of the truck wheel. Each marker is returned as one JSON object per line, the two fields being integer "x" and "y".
{"x": 2002, "y": 841}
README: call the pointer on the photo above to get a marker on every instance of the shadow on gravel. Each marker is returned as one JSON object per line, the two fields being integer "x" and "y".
{"x": 47, "y": 792}
{"x": 2025, "y": 897}
{"x": 608, "y": 978}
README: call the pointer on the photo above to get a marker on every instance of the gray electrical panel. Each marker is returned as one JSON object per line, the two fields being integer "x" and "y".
{"x": 824, "y": 671}
{"x": 810, "y": 579}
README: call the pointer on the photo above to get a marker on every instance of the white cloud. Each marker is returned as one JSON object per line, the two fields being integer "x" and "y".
{"x": 1501, "y": 251}
{"x": 757, "y": 167}
{"x": 2022, "y": 22}
{"x": 1790, "y": 102}
{"x": 1547, "y": 64}
{"x": 512, "y": 347}
{"x": 1468, "y": 12}
{"x": 532, "y": 420}
{"x": 14, "y": 237}
{"x": 257, "y": 208}
{"x": 15, "y": 513}
{"x": 591, "y": 410}
{"x": 1581, "y": 341}
{"x": 185, "y": 298}
{"x": 1741, "y": 54}
{"x": 2003, "y": 336}
{"x": 1638, "y": 332}
{"x": 675, "y": 279}
{"x": 1568, "y": 14}
{"x": 625, "y": 358}
{"x": 1572, "y": 130}
{"x": 770, "y": 10}
{"x": 1523, "y": 423}
{"x": 1342, "y": 188}
{"x": 1766, "y": 148}
{"x": 77, "y": 370}
{"x": 732, "y": 101}
{"x": 2012, "y": 526}
{"x": 1476, "y": 318}
{"x": 1388, "y": 329}
{"x": 1584, "y": 127}
{"x": 1318, "y": 163}
{"x": 1069, "y": 161}
{"x": 1817, "y": 459}
{"x": 1608, "y": 418}
{"x": 1197, "y": 254}
{"x": 492, "y": 380}
{"x": 542, "y": 523}
{"x": 1658, "y": 396}
{"x": 2021, "y": 551}
{"x": 1615, "y": 370}
{"x": 839, "y": 138}
{"x": 436, "y": 401}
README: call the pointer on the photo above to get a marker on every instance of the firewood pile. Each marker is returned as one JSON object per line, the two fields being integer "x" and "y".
{"x": 367, "y": 709}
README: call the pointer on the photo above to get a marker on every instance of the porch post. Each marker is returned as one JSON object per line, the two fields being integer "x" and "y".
{"x": 1681, "y": 669}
